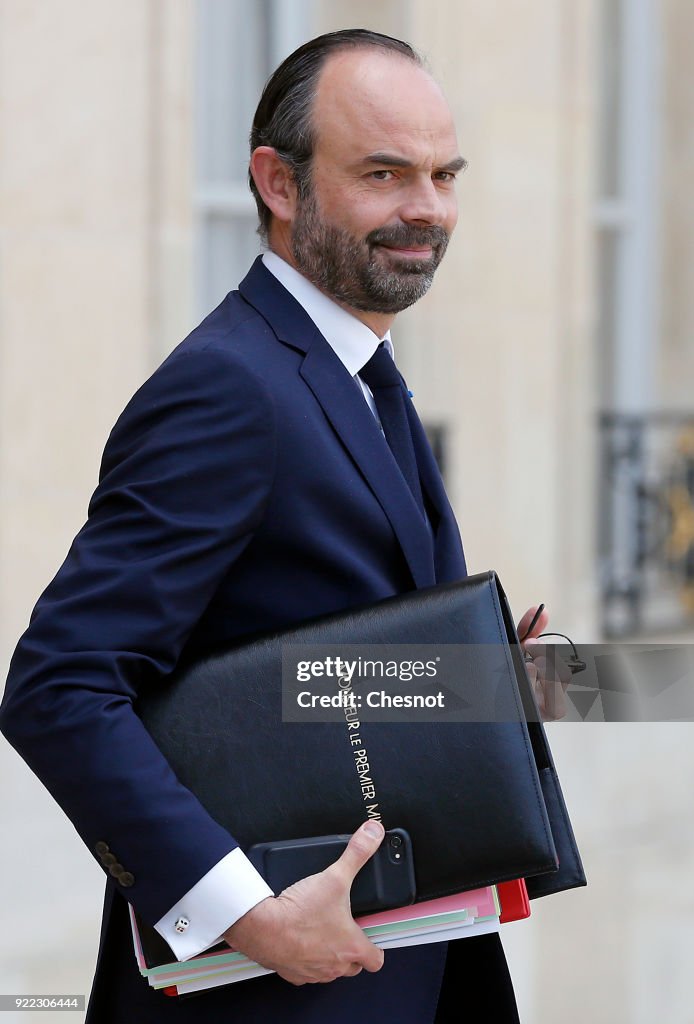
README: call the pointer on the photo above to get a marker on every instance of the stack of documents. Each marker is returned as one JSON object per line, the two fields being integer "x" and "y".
{"x": 451, "y": 917}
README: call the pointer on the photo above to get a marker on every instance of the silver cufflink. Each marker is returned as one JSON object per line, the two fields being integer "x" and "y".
{"x": 181, "y": 924}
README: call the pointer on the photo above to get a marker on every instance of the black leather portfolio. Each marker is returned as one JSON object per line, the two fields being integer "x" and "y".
{"x": 478, "y": 795}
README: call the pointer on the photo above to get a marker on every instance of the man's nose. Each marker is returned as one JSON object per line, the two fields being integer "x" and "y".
{"x": 423, "y": 203}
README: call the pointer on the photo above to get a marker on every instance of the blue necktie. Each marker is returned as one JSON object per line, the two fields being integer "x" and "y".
{"x": 386, "y": 385}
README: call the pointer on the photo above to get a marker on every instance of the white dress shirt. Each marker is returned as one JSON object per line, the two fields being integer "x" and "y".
{"x": 352, "y": 341}
{"x": 233, "y": 886}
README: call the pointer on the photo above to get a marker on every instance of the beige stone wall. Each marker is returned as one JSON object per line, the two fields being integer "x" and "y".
{"x": 621, "y": 949}
{"x": 95, "y": 247}
{"x": 502, "y": 345}
{"x": 389, "y": 16}
{"x": 677, "y": 209}
{"x": 95, "y": 238}
{"x": 74, "y": 294}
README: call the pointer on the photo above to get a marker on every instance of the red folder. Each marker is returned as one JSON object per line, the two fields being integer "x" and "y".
{"x": 513, "y": 897}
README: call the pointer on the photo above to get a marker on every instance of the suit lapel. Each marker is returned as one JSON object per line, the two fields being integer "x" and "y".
{"x": 353, "y": 422}
{"x": 348, "y": 414}
{"x": 449, "y": 557}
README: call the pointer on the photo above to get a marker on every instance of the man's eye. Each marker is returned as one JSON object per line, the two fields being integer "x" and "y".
{"x": 381, "y": 175}
{"x": 445, "y": 176}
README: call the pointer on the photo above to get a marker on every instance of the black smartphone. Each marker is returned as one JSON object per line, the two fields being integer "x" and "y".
{"x": 386, "y": 881}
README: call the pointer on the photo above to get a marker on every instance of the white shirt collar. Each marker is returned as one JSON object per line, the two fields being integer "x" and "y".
{"x": 352, "y": 341}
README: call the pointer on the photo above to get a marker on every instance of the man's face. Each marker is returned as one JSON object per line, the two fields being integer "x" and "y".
{"x": 381, "y": 204}
{"x": 356, "y": 271}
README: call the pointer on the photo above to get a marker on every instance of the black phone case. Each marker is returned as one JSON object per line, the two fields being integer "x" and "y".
{"x": 387, "y": 879}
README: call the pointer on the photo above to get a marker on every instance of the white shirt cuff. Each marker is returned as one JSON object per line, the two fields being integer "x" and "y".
{"x": 228, "y": 891}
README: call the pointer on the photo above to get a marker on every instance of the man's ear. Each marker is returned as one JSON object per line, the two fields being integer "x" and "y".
{"x": 275, "y": 182}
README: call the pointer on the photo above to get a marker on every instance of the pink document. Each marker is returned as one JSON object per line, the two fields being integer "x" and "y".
{"x": 479, "y": 902}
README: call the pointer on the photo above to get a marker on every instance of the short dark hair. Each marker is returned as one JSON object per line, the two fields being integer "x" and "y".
{"x": 283, "y": 117}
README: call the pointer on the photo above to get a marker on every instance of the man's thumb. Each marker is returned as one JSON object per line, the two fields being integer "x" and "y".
{"x": 363, "y": 844}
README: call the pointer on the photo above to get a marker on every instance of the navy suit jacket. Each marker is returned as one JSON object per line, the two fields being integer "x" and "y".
{"x": 245, "y": 487}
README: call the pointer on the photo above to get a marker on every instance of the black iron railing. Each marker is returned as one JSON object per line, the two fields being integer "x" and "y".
{"x": 646, "y": 496}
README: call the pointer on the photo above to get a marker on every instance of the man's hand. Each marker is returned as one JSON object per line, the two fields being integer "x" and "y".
{"x": 307, "y": 933}
{"x": 549, "y": 676}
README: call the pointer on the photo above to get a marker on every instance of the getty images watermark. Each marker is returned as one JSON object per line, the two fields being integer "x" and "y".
{"x": 484, "y": 682}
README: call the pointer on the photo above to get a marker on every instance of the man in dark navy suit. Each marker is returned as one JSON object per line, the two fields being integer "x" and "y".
{"x": 247, "y": 486}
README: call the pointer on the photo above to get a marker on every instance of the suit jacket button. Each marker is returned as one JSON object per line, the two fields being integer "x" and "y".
{"x": 108, "y": 859}
{"x": 116, "y": 869}
{"x": 126, "y": 879}
{"x": 102, "y": 848}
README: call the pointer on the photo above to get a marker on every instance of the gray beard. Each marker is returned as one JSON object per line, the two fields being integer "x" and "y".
{"x": 351, "y": 271}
